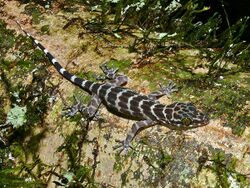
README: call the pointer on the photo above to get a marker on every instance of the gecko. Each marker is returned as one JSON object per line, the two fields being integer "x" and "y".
{"x": 130, "y": 104}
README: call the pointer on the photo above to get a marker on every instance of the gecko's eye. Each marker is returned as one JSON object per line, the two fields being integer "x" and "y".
{"x": 186, "y": 121}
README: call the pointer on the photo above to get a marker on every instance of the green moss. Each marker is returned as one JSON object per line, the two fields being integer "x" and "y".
{"x": 17, "y": 151}
{"x": 163, "y": 160}
{"x": 155, "y": 75}
{"x": 7, "y": 41}
{"x": 77, "y": 174}
{"x": 83, "y": 172}
{"x": 122, "y": 65}
{"x": 229, "y": 102}
{"x": 183, "y": 75}
{"x": 45, "y": 29}
{"x": 11, "y": 172}
{"x": 121, "y": 161}
{"x": 8, "y": 179}
{"x": 33, "y": 144}
{"x": 34, "y": 11}
{"x": 223, "y": 165}
{"x": 89, "y": 75}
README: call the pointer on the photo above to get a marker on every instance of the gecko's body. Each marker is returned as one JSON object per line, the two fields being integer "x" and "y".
{"x": 128, "y": 103}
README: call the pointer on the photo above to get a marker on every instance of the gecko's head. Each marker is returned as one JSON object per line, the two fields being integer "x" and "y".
{"x": 185, "y": 116}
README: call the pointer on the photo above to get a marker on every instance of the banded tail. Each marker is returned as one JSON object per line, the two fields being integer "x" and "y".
{"x": 82, "y": 83}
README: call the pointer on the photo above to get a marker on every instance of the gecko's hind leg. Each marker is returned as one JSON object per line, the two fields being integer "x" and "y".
{"x": 164, "y": 90}
{"x": 89, "y": 112}
{"x": 92, "y": 108}
{"x": 74, "y": 109}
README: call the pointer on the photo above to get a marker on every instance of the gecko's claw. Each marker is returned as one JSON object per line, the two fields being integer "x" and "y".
{"x": 82, "y": 109}
{"x": 110, "y": 73}
{"x": 167, "y": 90}
{"x": 164, "y": 90}
{"x": 73, "y": 110}
{"x": 122, "y": 146}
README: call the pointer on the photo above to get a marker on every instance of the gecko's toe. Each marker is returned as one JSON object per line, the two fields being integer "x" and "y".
{"x": 122, "y": 147}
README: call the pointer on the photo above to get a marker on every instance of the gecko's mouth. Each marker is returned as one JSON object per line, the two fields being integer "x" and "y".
{"x": 205, "y": 120}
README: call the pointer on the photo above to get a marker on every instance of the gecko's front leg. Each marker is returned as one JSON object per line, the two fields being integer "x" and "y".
{"x": 136, "y": 128}
{"x": 167, "y": 90}
{"x": 93, "y": 106}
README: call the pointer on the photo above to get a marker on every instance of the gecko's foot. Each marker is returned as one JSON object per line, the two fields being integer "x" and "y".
{"x": 99, "y": 77}
{"x": 79, "y": 108}
{"x": 122, "y": 146}
{"x": 97, "y": 117}
{"x": 73, "y": 110}
{"x": 167, "y": 90}
{"x": 88, "y": 114}
{"x": 110, "y": 73}
{"x": 164, "y": 90}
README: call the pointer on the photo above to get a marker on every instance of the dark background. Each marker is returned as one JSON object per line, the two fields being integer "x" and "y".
{"x": 235, "y": 9}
